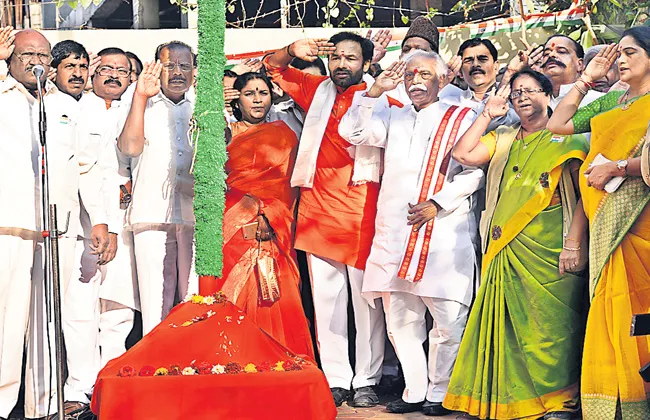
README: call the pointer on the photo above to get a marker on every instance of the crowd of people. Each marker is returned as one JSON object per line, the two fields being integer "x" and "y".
{"x": 490, "y": 221}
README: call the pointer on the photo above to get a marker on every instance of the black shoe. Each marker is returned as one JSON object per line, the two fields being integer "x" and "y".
{"x": 400, "y": 406}
{"x": 364, "y": 397}
{"x": 340, "y": 395}
{"x": 434, "y": 409}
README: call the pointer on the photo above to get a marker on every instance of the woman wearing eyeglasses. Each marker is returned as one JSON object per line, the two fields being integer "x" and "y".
{"x": 520, "y": 355}
{"x": 619, "y": 219}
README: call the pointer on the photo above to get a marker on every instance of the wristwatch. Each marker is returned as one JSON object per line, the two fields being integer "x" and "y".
{"x": 621, "y": 165}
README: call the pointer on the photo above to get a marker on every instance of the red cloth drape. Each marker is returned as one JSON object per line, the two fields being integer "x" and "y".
{"x": 229, "y": 335}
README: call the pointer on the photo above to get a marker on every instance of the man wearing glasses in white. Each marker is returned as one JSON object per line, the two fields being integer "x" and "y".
{"x": 155, "y": 137}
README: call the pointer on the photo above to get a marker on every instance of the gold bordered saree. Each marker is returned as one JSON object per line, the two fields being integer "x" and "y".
{"x": 619, "y": 272}
{"x": 520, "y": 355}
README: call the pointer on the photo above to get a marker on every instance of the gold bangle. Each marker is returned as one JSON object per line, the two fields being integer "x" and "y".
{"x": 566, "y": 248}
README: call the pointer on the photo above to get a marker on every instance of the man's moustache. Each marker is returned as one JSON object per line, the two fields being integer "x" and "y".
{"x": 553, "y": 61}
{"x": 117, "y": 82}
{"x": 177, "y": 79}
{"x": 76, "y": 79}
{"x": 476, "y": 69}
{"x": 419, "y": 86}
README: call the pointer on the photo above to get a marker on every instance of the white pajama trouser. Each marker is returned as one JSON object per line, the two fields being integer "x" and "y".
{"x": 40, "y": 373}
{"x": 16, "y": 262}
{"x": 405, "y": 320}
{"x": 93, "y": 333}
{"x": 164, "y": 256}
{"x": 329, "y": 282}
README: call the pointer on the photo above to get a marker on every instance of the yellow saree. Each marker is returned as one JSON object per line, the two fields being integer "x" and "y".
{"x": 619, "y": 272}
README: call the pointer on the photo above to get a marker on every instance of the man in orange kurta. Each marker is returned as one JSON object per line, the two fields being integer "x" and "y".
{"x": 337, "y": 209}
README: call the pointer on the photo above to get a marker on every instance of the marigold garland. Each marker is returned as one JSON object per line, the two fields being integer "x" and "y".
{"x": 206, "y": 368}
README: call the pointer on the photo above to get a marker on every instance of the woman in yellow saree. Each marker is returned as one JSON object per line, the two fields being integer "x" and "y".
{"x": 520, "y": 355}
{"x": 619, "y": 220}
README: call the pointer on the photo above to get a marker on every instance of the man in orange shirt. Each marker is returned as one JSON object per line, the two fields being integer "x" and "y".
{"x": 339, "y": 188}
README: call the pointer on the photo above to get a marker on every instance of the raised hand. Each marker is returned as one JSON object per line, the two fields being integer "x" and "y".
{"x": 148, "y": 84}
{"x": 6, "y": 42}
{"x": 380, "y": 41}
{"x": 249, "y": 65}
{"x": 388, "y": 79}
{"x": 93, "y": 64}
{"x": 497, "y": 105}
{"x": 525, "y": 58}
{"x": 535, "y": 58}
{"x": 51, "y": 75}
{"x": 310, "y": 49}
{"x": 601, "y": 63}
{"x": 453, "y": 68}
{"x": 229, "y": 95}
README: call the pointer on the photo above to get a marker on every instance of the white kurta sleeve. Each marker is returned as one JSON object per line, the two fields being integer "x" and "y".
{"x": 366, "y": 122}
{"x": 90, "y": 179}
{"x": 464, "y": 181}
{"x": 90, "y": 191}
{"x": 111, "y": 181}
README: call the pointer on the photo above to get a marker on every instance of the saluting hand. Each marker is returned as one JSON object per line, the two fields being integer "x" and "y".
{"x": 249, "y": 65}
{"x": 148, "y": 84}
{"x": 388, "y": 80}
{"x": 453, "y": 69}
{"x": 380, "y": 41}
{"x": 310, "y": 49}
{"x": 6, "y": 42}
{"x": 497, "y": 105}
{"x": 601, "y": 63}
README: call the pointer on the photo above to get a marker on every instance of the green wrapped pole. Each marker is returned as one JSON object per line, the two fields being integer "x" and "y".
{"x": 209, "y": 175}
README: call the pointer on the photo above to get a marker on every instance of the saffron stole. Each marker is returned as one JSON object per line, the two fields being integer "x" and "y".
{"x": 437, "y": 171}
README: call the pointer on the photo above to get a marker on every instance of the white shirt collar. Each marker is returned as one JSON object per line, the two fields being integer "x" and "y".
{"x": 188, "y": 97}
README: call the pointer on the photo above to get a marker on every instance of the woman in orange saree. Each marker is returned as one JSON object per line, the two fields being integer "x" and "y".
{"x": 619, "y": 222}
{"x": 260, "y": 274}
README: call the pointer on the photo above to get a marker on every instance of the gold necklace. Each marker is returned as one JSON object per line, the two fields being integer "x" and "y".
{"x": 627, "y": 103}
{"x": 516, "y": 169}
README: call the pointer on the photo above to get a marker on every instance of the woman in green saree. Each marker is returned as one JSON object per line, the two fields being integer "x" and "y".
{"x": 520, "y": 355}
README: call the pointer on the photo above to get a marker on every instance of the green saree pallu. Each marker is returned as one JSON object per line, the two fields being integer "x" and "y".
{"x": 520, "y": 355}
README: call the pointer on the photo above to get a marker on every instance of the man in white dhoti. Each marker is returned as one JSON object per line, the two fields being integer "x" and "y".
{"x": 156, "y": 139}
{"x": 22, "y": 298}
{"x": 96, "y": 330}
{"x": 422, "y": 257}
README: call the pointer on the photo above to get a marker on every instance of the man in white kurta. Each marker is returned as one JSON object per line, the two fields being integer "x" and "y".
{"x": 21, "y": 246}
{"x": 96, "y": 330}
{"x": 432, "y": 268}
{"x": 161, "y": 216}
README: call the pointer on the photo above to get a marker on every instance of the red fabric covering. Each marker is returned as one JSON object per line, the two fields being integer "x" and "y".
{"x": 225, "y": 336}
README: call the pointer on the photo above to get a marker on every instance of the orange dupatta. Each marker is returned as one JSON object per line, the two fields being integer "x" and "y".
{"x": 260, "y": 163}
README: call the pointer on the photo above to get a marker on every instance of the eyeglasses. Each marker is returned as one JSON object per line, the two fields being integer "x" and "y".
{"x": 109, "y": 71}
{"x": 425, "y": 75}
{"x": 169, "y": 66}
{"x": 27, "y": 57}
{"x": 528, "y": 92}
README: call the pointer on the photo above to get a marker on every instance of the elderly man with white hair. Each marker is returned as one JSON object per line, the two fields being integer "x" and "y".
{"x": 422, "y": 257}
